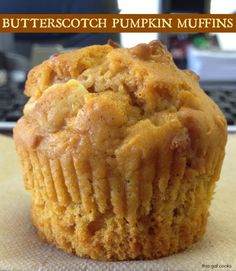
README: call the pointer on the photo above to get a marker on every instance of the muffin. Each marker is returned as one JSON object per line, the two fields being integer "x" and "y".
{"x": 121, "y": 151}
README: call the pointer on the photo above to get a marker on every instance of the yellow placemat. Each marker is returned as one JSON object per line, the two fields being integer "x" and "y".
{"x": 21, "y": 249}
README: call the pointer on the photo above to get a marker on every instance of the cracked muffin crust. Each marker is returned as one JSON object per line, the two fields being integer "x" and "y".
{"x": 120, "y": 150}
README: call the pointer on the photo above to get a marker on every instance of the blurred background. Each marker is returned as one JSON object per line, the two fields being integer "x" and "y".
{"x": 212, "y": 56}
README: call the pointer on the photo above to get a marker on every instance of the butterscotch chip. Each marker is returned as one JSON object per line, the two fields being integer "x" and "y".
{"x": 121, "y": 151}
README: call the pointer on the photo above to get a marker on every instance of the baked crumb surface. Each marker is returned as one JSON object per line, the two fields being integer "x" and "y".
{"x": 121, "y": 151}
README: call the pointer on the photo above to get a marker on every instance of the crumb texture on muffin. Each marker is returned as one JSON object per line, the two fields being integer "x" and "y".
{"x": 121, "y": 151}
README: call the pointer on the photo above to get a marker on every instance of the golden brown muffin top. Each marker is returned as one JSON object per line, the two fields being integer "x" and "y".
{"x": 119, "y": 100}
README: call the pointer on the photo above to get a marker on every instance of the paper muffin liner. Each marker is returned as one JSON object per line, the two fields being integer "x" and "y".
{"x": 82, "y": 208}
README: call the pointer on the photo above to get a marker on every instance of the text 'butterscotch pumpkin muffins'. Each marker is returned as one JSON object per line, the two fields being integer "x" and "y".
{"x": 120, "y": 150}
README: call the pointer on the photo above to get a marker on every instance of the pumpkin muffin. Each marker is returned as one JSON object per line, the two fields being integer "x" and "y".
{"x": 121, "y": 151}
